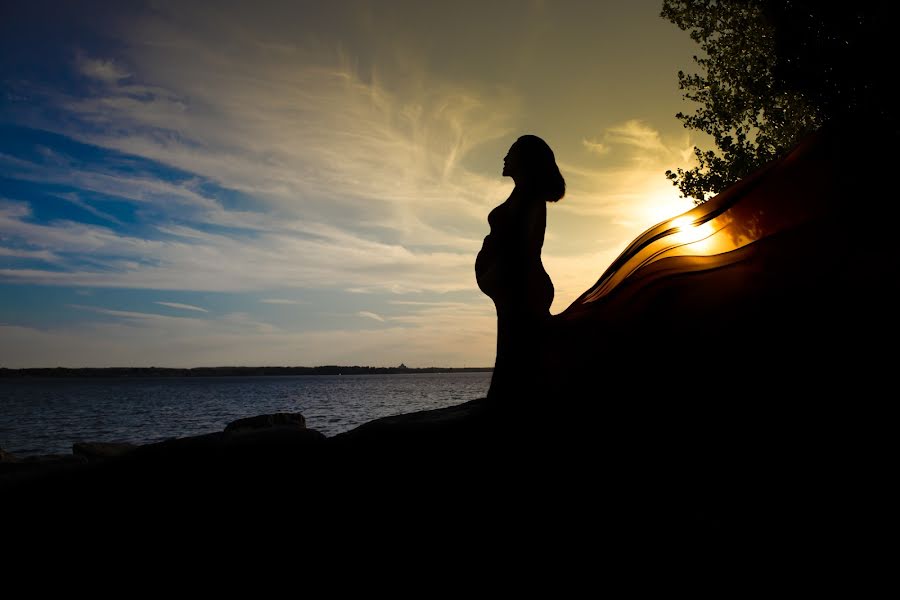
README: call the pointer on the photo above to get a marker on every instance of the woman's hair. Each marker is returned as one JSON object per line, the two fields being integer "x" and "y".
{"x": 539, "y": 168}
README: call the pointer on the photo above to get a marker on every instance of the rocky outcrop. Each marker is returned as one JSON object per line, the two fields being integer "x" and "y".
{"x": 267, "y": 421}
{"x": 37, "y": 463}
{"x": 94, "y": 451}
{"x": 265, "y": 442}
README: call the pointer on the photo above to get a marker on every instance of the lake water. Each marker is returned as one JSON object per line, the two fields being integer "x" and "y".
{"x": 44, "y": 416}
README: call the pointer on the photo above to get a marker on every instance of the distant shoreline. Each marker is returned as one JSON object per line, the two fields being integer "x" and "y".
{"x": 64, "y": 372}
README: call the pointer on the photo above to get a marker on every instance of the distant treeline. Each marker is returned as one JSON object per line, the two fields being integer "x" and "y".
{"x": 227, "y": 371}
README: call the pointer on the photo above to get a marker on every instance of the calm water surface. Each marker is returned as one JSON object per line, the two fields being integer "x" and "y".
{"x": 45, "y": 416}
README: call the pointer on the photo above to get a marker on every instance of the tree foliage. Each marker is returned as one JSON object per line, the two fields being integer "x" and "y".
{"x": 772, "y": 71}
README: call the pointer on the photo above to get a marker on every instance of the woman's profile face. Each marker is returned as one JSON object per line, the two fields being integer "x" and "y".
{"x": 512, "y": 161}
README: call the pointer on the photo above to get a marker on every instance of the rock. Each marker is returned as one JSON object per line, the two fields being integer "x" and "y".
{"x": 9, "y": 463}
{"x": 262, "y": 448}
{"x": 294, "y": 420}
{"x": 101, "y": 450}
{"x": 53, "y": 459}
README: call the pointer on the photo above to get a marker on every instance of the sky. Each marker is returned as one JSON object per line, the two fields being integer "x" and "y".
{"x": 189, "y": 183}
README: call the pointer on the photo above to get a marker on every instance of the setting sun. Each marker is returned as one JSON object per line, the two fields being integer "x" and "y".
{"x": 664, "y": 202}
{"x": 691, "y": 238}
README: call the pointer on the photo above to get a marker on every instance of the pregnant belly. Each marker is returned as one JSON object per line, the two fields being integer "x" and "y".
{"x": 527, "y": 287}
{"x": 488, "y": 270}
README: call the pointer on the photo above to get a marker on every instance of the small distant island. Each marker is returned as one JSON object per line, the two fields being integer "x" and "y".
{"x": 64, "y": 372}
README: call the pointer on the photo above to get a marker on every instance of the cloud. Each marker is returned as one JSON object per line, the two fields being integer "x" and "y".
{"x": 13, "y": 210}
{"x": 348, "y": 184}
{"x": 107, "y": 70}
{"x": 140, "y": 188}
{"x": 294, "y": 255}
{"x": 313, "y": 133}
{"x": 281, "y": 301}
{"x": 182, "y": 306}
{"x": 370, "y": 315}
{"x": 638, "y": 134}
{"x": 41, "y": 255}
{"x": 424, "y": 337}
{"x": 74, "y": 199}
{"x": 595, "y": 147}
{"x": 131, "y": 315}
{"x": 618, "y": 188}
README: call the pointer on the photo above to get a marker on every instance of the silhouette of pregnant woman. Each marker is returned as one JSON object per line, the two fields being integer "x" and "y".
{"x": 509, "y": 269}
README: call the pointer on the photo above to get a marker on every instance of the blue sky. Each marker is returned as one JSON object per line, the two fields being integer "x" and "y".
{"x": 223, "y": 183}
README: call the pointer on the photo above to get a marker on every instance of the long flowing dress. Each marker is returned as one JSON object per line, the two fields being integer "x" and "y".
{"x": 779, "y": 282}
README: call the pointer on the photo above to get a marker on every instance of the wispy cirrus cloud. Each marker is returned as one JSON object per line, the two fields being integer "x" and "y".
{"x": 281, "y": 301}
{"x": 293, "y": 256}
{"x": 131, "y": 315}
{"x": 637, "y": 134}
{"x": 103, "y": 70}
{"x": 621, "y": 191}
{"x": 182, "y": 306}
{"x": 344, "y": 180}
{"x": 595, "y": 147}
{"x": 370, "y": 315}
{"x": 40, "y": 255}
{"x": 313, "y": 132}
{"x": 440, "y": 335}
{"x": 73, "y": 198}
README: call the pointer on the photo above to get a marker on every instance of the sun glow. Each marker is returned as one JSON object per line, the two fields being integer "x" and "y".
{"x": 664, "y": 203}
{"x": 698, "y": 238}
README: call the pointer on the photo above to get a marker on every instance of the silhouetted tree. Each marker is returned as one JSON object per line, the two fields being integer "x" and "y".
{"x": 774, "y": 70}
